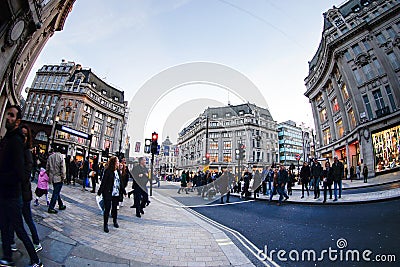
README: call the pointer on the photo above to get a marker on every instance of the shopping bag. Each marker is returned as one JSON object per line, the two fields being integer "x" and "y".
{"x": 100, "y": 203}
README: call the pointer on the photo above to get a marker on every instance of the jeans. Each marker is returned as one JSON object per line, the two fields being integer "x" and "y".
{"x": 10, "y": 221}
{"x": 304, "y": 185}
{"x": 56, "y": 195}
{"x": 327, "y": 187}
{"x": 282, "y": 193}
{"x": 27, "y": 214}
{"x": 316, "y": 187}
{"x": 336, "y": 183}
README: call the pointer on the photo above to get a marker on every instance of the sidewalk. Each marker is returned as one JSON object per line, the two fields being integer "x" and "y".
{"x": 373, "y": 193}
{"x": 164, "y": 236}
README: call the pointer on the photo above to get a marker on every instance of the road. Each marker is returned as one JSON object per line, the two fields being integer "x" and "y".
{"x": 373, "y": 226}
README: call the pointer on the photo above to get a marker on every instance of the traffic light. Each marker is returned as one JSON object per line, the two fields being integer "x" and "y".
{"x": 241, "y": 152}
{"x": 154, "y": 142}
{"x": 147, "y": 146}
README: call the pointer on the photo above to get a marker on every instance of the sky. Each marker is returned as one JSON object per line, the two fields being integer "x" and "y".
{"x": 127, "y": 43}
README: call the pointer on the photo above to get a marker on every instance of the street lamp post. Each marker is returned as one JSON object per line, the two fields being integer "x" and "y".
{"x": 54, "y": 130}
{"x": 90, "y": 140}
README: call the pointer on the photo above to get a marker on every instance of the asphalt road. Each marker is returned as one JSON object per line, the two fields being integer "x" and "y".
{"x": 339, "y": 229}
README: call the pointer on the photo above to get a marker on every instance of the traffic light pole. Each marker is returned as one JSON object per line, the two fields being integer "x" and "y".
{"x": 151, "y": 174}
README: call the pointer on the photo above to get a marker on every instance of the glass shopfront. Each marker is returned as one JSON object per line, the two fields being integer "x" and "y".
{"x": 386, "y": 149}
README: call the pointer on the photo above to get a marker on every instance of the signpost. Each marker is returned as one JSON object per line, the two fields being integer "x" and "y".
{"x": 298, "y": 157}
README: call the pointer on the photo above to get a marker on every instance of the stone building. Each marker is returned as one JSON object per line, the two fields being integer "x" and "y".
{"x": 25, "y": 27}
{"x": 218, "y": 133}
{"x": 68, "y": 95}
{"x": 353, "y": 85}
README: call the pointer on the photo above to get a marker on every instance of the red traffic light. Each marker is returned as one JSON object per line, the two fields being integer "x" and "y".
{"x": 154, "y": 137}
{"x": 207, "y": 155}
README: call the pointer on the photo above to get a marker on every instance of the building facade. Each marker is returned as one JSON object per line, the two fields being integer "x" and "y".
{"x": 353, "y": 85}
{"x": 167, "y": 159}
{"x": 291, "y": 145}
{"x": 218, "y": 133}
{"x": 68, "y": 95}
{"x": 25, "y": 27}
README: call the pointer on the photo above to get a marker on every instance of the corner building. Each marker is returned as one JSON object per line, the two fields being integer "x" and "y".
{"x": 220, "y": 131}
{"x": 69, "y": 95}
{"x": 353, "y": 85}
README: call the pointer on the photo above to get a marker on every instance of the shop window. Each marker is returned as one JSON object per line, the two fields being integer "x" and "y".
{"x": 335, "y": 105}
{"x": 339, "y": 128}
{"x": 345, "y": 93}
{"x": 352, "y": 119}
{"x": 327, "y": 136}
{"x": 323, "y": 115}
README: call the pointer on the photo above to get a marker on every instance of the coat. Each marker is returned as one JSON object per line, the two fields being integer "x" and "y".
{"x": 56, "y": 167}
{"x": 43, "y": 179}
{"x": 305, "y": 173}
{"x": 337, "y": 171}
{"x": 26, "y": 183}
{"x": 11, "y": 162}
{"x": 107, "y": 184}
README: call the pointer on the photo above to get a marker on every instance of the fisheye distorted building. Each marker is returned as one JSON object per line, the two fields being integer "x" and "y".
{"x": 353, "y": 85}
{"x": 218, "y": 133}
{"x": 69, "y": 95}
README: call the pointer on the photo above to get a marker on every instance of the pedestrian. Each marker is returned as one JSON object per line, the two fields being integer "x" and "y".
{"x": 337, "y": 174}
{"x": 141, "y": 178}
{"x": 67, "y": 170}
{"x": 290, "y": 182}
{"x": 351, "y": 173}
{"x": 125, "y": 175}
{"x": 305, "y": 173}
{"x": 111, "y": 189}
{"x": 11, "y": 178}
{"x": 95, "y": 174}
{"x": 274, "y": 190}
{"x": 85, "y": 169}
{"x": 327, "y": 178}
{"x": 316, "y": 170}
{"x": 42, "y": 187}
{"x": 256, "y": 184}
{"x": 56, "y": 171}
{"x": 225, "y": 181}
{"x": 74, "y": 170}
{"x": 184, "y": 177}
{"x": 247, "y": 176}
{"x": 365, "y": 173}
{"x": 27, "y": 188}
{"x": 358, "y": 171}
{"x": 282, "y": 180}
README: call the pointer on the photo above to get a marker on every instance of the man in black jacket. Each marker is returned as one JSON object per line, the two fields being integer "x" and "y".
{"x": 316, "y": 171}
{"x": 140, "y": 179}
{"x": 11, "y": 177}
{"x": 337, "y": 174}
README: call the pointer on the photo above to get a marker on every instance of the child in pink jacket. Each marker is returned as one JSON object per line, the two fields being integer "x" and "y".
{"x": 42, "y": 186}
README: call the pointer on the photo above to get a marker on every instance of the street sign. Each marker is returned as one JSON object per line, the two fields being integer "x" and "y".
{"x": 298, "y": 157}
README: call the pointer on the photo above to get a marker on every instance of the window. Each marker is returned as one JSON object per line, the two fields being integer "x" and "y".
{"x": 366, "y": 45}
{"x": 352, "y": 119}
{"x": 356, "y": 49}
{"x": 326, "y": 136}
{"x": 227, "y": 157}
{"x": 227, "y": 145}
{"x": 393, "y": 60}
{"x": 214, "y": 116}
{"x": 339, "y": 128}
{"x": 335, "y": 105}
{"x": 391, "y": 32}
{"x": 227, "y": 134}
{"x": 380, "y": 104}
{"x": 381, "y": 39}
{"x": 357, "y": 76}
{"x": 228, "y": 115}
{"x": 367, "y": 69}
{"x": 368, "y": 106}
{"x": 345, "y": 93}
{"x": 322, "y": 115}
{"x": 347, "y": 55}
{"x": 85, "y": 121}
{"x": 214, "y": 124}
{"x": 213, "y": 145}
{"x": 378, "y": 66}
{"x": 390, "y": 96}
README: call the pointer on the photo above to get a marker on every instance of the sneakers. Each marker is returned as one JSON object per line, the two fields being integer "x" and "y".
{"x": 4, "y": 262}
{"x": 38, "y": 247}
{"x": 52, "y": 211}
{"x": 39, "y": 264}
{"x": 14, "y": 247}
{"x": 36, "y": 203}
{"x": 63, "y": 207}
